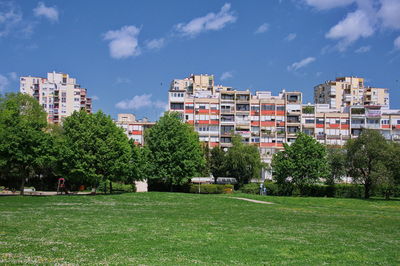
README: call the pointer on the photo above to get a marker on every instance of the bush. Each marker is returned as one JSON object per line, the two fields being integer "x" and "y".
{"x": 251, "y": 188}
{"x": 158, "y": 185}
{"x": 211, "y": 189}
{"x": 349, "y": 191}
{"x": 116, "y": 186}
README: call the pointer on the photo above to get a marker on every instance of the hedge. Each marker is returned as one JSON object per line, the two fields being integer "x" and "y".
{"x": 211, "y": 189}
{"x": 338, "y": 190}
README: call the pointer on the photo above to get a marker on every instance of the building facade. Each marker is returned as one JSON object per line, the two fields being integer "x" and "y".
{"x": 59, "y": 94}
{"x": 349, "y": 91}
{"x": 267, "y": 121}
{"x": 134, "y": 128}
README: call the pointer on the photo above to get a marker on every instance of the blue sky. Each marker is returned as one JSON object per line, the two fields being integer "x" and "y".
{"x": 127, "y": 52}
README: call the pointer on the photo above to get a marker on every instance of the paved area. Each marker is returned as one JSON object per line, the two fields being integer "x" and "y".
{"x": 255, "y": 201}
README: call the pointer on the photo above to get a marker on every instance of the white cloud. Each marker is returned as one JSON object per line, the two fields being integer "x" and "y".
{"x": 123, "y": 42}
{"x": 397, "y": 43}
{"x": 262, "y": 28}
{"x": 291, "y": 37}
{"x": 4, "y": 82}
{"x": 95, "y": 98}
{"x": 121, "y": 80}
{"x": 363, "y": 49}
{"x": 356, "y": 25}
{"x": 389, "y": 13}
{"x": 13, "y": 75}
{"x": 10, "y": 18}
{"x": 226, "y": 75}
{"x": 328, "y": 4}
{"x": 297, "y": 65}
{"x": 155, "y": 44}
{"x": 51, "y": 13}
{"x": 141, "y": 101}
{"x": 211, "y": 21}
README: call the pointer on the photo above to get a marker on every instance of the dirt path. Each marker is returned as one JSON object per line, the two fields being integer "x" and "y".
{"x": 255, "y": 201}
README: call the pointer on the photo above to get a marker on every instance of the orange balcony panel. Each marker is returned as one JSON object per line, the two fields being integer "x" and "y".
{"x": 191, "y": 122}
{"x": 345, "y": 126}
{"x": 279, "y": 144}
{"x": 334, "y": 125}
{"x": 268, "y": 123}
{"x": 189, "y": 111}
{"x": 320, "y": 125}
{"x": 214, "y": 122}
{"x": 136, "y": 132}
{"x": 255, "y": 112}
{"x": 267, "y": 144}
{"x": 204, "y": 122}
{"x": 268, "y": 112}
{"x": 255, "y": 123}
{"x": 215, "y": 112}
{"x": 204, "y": 111}
{"x": 280, "y": 112}
{"x": 385, "y": 126}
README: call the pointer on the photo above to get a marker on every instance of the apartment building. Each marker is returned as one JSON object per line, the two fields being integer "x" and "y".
{"x": 134, "y": 128}
{"x": 349, "y": 91}
{"x": 267, "y": 121}
{"x": 59, "y": 94}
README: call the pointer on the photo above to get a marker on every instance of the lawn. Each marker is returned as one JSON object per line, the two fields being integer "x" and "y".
{"x": 173, "y": 228}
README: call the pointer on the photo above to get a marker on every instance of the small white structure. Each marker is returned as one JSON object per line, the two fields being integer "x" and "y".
{"x": 141, "y": 186}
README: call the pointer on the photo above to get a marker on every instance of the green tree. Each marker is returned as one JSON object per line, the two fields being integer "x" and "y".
{"x": 242, "y": 161}
{"x": 22, "y": 137}
{"x": 302, "y": 163}
{"x": 337, "y": 165}
{"x": 95, "y": 149}
{"x": 366, "y": 156}
{"x": 217, "y": 162}
{"x": 174, "y": 152}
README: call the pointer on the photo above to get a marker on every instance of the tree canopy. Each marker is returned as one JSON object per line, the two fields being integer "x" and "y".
{"x": 174, "y": 151}
{"x": 22, "y": 137}
{"x": 95, "y": 149}
{"x": 301, "y": 163}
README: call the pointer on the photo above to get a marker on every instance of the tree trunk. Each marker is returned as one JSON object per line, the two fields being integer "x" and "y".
{"x": 111, "y": 190}
{"x": 367, "y": 188}
{"x": 22, "y": 186}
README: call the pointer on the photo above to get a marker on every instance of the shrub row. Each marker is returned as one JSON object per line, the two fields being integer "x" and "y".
{"x": 338, "y": 190}
{"x": 211, "y": 189}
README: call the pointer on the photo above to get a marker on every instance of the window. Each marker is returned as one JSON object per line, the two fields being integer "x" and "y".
{"x": 268, "y": 107}
{"x": 177, "y": 106}
{"x": 309, "y": 121}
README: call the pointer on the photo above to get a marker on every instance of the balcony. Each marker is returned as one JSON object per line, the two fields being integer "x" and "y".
{"x": 227, "y": 110}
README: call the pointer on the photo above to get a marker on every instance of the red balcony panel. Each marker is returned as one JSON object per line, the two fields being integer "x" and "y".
{"x": 280, "y": 112}
{"x": 189, "y": 111}
{"x": 281, "y": 124}
{"x": 214, "y": 122}
{"x": 334, "y": 126}
{"x": 255, "y": 113}
{"x": 268, "y": 112}
{"x": 385, "y": 126}
{"x": 203, "y": 111}
{"x": 215, "y": 112}
{"x": 214, "y": 144}
{"x": 397, "y": 126}
{"x": 345, "y": 126}
{"x": 320, "y": 125}
{"x": 279, "y": 144}
{"x": 203, "y": 122}
{"x": 136, "y": 132}
{"x": 268, "y": 123}
{"x": 255, "y": 123}
{"x": 267, "y": 144}
{"x": 191, "y": 122}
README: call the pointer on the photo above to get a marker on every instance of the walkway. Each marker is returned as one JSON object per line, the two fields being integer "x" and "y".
{"x": 255, "y": 201}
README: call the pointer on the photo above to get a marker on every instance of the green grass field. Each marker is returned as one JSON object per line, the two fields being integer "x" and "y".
{"x": 173, "y": 228}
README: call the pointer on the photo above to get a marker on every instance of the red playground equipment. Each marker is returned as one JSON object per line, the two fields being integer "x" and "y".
{"x": 61, "y": 186}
